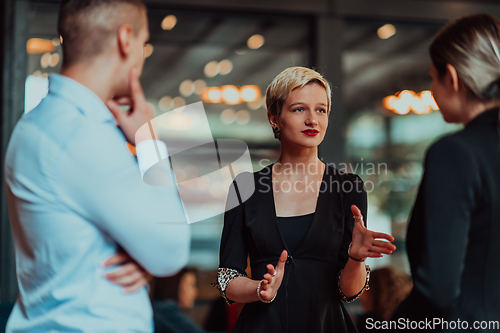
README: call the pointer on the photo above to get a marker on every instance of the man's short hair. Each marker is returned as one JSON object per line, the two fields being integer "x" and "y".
{"x": 86, "y": 26}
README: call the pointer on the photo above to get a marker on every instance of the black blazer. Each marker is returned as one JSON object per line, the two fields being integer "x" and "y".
{"x": 308, "y": 299}
{"x": 453, "y": 239}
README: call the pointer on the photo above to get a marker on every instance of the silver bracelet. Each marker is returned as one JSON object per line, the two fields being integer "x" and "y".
{"x": 355, "y": 297}
{"x": 260, "y": 297}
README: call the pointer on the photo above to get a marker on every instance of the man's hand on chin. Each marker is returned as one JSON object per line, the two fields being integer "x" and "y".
{"x": 140, "y": 113}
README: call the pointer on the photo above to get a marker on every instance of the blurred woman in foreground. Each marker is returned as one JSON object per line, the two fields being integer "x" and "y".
{"x": 453, "y": 239}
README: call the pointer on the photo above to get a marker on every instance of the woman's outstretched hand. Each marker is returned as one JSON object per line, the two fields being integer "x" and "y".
{"x": 273, "y": 278}
{"x": 365, "y": 243}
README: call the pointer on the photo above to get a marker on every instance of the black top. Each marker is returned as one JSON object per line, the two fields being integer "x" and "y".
{"x": 294, "y": 228}
{"x": 308, "y": 299}
{"x": 453, "y": 240}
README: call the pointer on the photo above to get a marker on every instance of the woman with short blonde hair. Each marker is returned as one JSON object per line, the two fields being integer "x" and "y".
{"x": 306, "y": 248}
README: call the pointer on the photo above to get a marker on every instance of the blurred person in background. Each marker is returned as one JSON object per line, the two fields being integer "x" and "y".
{"x": 453, "y": 239}
{"x": 306, "y": 248}
{"x": 75, "y": 193}
{"x": 388, "y": 287}
{"x": 170, "y": 296}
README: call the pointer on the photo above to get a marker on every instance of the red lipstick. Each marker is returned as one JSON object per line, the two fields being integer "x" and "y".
{"x": 311, "y": 132}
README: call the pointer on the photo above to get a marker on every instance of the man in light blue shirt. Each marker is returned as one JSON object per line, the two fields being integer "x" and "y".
{"x": 75, "y": 192}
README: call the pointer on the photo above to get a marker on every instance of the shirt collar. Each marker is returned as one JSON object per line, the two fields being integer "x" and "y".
{"x": 77, "y": 94}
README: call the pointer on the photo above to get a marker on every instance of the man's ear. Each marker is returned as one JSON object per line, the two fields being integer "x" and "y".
{"x": 452, "y": 76}
{"x": 124, "y": 39}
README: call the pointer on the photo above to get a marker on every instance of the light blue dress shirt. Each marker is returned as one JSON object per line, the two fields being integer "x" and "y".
{"x": 75, "y": 194}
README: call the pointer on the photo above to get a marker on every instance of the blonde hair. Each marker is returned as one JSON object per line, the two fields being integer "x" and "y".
{"x": 288, "y": 80}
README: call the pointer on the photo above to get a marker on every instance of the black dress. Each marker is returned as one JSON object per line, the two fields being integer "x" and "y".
{"x": 453, "y": 240}
{"x": 308, "y": 299}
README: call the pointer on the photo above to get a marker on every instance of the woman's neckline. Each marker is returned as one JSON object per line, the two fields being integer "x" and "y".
{"x": 325, "y": 172}
{"x": 295, "y": 216}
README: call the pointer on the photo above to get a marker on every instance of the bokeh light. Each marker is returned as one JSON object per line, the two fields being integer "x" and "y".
{"x": 45, "y": 60}
{"x": 169, "y": 22}
{"x": 407, "y": 100}
{"x": 211, "y": 95}
{"x": 54, "y": 60}
{"x": 255, "y": 42}
{"x": 386, "y": 31}
{"x": 186, "y": 88}
{"x": 165, "y": 103}
{"x": 178, "y": 102}
{"x": 199, "y": 85}
{"x": 148, "y": 50}
{"x": 211, "y": 69}
{"x": 242, "y": 117}
{"x": 230, "y": 94}
{"x": 179, "y": 121}
{"x": 250, "y": 93}
{"x": 225, "y": 67}
{"x": 39, "y": 45}
{"x": 228, "y": 116}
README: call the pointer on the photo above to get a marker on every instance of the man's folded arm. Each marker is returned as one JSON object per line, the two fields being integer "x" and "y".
{"x": 147, "y": 221}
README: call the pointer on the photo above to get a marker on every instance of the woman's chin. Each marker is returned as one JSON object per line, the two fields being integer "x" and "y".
{"x": 450, "y": 119}
{"x": 305, "y": 143}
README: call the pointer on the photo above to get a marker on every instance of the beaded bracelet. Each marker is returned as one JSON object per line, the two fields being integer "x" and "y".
{"x": 260, "y": 297}
{"x": 355, "y": 297}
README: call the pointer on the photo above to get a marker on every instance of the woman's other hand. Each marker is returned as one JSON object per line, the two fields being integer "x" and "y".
{"x": 273, "y": 278}
{"x": 130, "y": 275}
{"x": 366, "y": 243}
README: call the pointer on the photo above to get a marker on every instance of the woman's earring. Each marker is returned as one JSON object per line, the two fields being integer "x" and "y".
{"x": 276, "y": 133}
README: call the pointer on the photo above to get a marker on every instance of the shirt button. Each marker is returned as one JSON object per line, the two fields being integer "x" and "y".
{"x": 289, "y": 260}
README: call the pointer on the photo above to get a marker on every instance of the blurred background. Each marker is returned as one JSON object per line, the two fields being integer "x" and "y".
{"x": 225, "y": 53}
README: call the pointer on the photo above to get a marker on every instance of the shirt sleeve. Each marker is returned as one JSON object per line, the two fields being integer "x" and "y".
{"x": 102, "y": 182}
{"x": 441, "y": 221}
